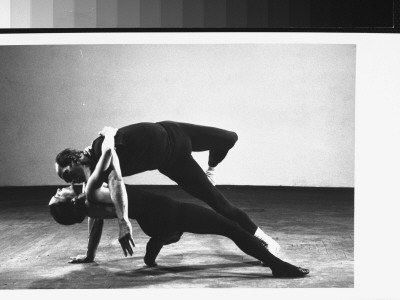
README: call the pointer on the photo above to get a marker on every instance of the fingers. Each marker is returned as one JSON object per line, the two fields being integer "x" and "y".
{"x": 104, "y": 130}
{"x": 123, "y": 246}
{"x": 128, "y": 246}
{"x": 74, "y": 260}
{"x": 108, "y": 130}
{"x": 87, "y": 150}
{"x": 80, "y": 259}
{"x": 125, "y": 242}
{"x": 101, "y": 132}
{"x": 130, "y": 250}
{"x": 132, "y": 241}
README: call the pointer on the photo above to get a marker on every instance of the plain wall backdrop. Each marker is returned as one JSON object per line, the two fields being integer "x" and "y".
{"x": 292, "y": 106}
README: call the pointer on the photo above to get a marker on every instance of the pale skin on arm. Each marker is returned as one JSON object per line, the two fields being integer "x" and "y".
{"x": 96, "y": 192}
{"x": 96, "y": 215}
{"x": 93, "y": 240}
{"x": 95, "y": 231}
{"x": 95, "y": 227}
{"x": 119, "y": 197}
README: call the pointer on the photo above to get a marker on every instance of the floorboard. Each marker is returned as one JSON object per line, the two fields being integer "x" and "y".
{"x": 315, "y": 228}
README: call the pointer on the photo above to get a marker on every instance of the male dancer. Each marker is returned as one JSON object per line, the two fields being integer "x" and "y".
{"x": 166, "y": 146}
{"x": 160, "y": 217}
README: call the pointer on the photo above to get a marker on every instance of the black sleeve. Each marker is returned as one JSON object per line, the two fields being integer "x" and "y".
{"x": 95, "y": 155}
{"x": 95, "y": 152}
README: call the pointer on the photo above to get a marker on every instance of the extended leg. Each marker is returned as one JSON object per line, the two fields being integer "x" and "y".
{"x": 197, "y": 219}
{"x": 188, "y": 174}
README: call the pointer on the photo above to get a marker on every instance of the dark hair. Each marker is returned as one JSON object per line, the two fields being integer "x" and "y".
{"x": 67, "y": 156}
{"x": 69, "y": 212}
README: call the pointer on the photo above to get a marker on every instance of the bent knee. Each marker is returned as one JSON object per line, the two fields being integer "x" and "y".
{"x": 233, "y": 138}
{"x": 173, "y": 238}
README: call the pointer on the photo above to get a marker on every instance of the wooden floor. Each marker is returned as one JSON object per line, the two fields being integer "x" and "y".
{"x": 315, "y": 228}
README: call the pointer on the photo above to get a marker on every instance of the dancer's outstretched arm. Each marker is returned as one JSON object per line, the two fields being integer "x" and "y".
{"x": 95, "y": 227}
{"x": 109, "y": 160}
{"x": 96, "y": 212}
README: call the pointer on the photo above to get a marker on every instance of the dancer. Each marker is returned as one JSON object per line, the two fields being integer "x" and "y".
{"x": 166, "y": 146}
{"x": 160, "y": 217}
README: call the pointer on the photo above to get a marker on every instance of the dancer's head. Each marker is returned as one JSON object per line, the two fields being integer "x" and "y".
{"x": 67, "y": 208}
{"x": 71, "y": 165}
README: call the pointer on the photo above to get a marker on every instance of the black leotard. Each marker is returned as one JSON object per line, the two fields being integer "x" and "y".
{"x": 165, "y": 220}
{"x": 140, "y": 147}
{"x": 167, "y": 146}
{"x": 157, "y": 215}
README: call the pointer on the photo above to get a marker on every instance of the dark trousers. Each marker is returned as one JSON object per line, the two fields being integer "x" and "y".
{"x": 185, "y": 171}
{"x": 196, "y": 219}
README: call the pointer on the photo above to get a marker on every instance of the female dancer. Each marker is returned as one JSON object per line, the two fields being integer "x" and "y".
{"x": 160, "y": 217}
{"x": 166, "y": 146}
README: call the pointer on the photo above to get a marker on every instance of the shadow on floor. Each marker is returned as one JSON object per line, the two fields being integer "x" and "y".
{"x": 115, "y": 274}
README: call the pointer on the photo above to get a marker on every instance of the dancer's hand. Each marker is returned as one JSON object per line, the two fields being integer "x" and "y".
{"x": 125, "y": 237}
{"x": 81, "y": 259}
{"x": 87, "y": 150}
{"x": 108, "y": 131}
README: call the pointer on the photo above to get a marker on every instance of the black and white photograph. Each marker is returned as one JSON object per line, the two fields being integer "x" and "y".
{"x": 209, "y": 164}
